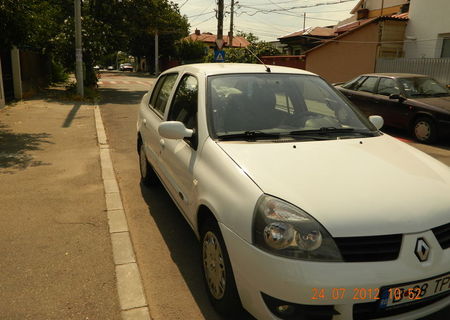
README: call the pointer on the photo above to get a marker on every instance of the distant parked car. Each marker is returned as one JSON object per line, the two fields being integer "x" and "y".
{"x": 413, "y": 102}
{"x": 97, "y": 67}
{"x": 110, "y": 68}
{"x": 126, "y": 67}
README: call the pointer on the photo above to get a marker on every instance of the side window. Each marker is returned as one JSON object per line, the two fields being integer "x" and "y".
{"x": 184, "y": 105}
{"x": 162, "y": 92}
{"x": 388, "y": 86}
{"x": 368, "y": 85}
{"x": 354, "y": 84}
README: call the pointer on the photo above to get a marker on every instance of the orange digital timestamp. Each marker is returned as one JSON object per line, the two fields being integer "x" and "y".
{"x": 395, "y": 294}
{"x": 342, "y": 293}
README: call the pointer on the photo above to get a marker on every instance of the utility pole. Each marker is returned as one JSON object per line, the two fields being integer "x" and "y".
{"x": 156, "y": 53}
{"x": 220, "y": 22}
{"x": 230, "y": 35}
{"x": 304, "y": 21}
{"x": 78, "y": 49}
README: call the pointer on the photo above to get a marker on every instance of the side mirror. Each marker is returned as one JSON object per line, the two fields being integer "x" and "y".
{"x": 396, "y": 96}
{"x": 377, "y": 121}
{"x": 174, "y": 130}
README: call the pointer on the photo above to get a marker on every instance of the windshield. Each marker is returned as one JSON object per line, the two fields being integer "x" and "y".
{"x": 422, "y": 86}
{"x": 250, "y": 106}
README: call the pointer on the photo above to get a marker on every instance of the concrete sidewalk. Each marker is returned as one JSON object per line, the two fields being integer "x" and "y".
{"x": 56, "y": 258}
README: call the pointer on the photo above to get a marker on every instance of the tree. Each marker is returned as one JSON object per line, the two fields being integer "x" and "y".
{"x": 190, "y": 51}
{"x": 144, "y": 18}
{"x": 244, "y": 55}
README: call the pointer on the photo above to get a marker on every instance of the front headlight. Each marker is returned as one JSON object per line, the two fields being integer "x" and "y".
{"x": 285, "y": 230}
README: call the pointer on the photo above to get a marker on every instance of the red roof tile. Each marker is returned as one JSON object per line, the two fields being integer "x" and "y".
{"x": 210, "y": 38}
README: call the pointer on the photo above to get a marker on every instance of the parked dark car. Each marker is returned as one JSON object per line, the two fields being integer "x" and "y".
{"x": 413, "y": 102}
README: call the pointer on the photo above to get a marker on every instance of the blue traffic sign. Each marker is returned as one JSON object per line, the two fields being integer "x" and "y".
{"x": 219, "y": 56}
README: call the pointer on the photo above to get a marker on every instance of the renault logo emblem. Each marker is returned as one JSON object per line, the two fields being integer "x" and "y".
{"x": 422, "y": 250}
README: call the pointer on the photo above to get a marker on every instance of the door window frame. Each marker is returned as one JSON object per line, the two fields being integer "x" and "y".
{"x": 156, "y": 91}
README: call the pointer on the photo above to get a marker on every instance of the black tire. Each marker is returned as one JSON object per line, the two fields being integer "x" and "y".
{"x": 424, "y": 130}
{"x": 224, "y": 298}
{"x": 148, "y": 176}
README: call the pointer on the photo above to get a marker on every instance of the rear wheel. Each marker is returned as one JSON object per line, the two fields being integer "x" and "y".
{"x": 217, "y": 271}
{"x": 424, "y": 130}
{"x": 148, "y": 176}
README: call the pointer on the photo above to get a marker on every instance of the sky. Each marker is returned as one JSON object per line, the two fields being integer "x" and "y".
{"x": 267, "y": 19}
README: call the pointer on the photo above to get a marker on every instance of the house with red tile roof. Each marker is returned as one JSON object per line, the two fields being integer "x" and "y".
{"x": 357, "y": 47}
{"x": 209, "y": 40}
{"x": 298, "y": 42}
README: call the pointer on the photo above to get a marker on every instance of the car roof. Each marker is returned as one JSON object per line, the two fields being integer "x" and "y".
{"x": 395, "y": 75}
{"x": 232, "y": 68}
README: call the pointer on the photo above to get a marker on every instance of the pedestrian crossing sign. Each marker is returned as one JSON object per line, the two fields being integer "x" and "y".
{"x": 219, "y": 56}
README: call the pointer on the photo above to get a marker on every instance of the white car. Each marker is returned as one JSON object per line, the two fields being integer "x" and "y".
{"x": 304, "y": 209}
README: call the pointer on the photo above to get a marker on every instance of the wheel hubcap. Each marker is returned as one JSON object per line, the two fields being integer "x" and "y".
{"x": 422, "y": 130}
{"x": 143, "y": 161}
{"x": 213, "y": 265}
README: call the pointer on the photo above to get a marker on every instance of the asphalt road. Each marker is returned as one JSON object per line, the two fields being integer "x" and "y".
{"x": 166, "y": 248}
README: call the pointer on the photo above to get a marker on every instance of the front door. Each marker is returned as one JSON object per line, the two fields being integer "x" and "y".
{"x": 179, "y": 156}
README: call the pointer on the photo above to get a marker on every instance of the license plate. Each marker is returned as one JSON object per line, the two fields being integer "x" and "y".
{"x": 414, "y": 291}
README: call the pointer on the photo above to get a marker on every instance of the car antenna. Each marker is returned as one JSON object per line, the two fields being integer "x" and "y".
{"x": 267, "y": 68}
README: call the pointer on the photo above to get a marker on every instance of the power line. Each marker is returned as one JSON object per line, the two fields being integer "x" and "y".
{"x": 257, "y": 10}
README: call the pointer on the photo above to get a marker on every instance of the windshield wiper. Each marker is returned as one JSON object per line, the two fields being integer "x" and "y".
{"x": 323, "y": 130}
{"x": 248, "y": 135}
{"x": 331, "y": 130}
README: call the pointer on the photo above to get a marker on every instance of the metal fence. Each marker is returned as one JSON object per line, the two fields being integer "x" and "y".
{"x": 436, "y": 68}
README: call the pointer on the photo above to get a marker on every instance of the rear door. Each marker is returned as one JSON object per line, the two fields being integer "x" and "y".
{"x": 152, "y": 115}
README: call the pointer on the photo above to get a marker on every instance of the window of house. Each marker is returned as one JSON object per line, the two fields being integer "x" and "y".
{"x": 445, "y": 48}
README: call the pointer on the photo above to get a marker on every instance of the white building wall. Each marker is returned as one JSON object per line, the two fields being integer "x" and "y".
{"x": 428, "y": 25}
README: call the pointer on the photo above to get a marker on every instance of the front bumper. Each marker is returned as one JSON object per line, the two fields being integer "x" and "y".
{"x": 301, "y": 282}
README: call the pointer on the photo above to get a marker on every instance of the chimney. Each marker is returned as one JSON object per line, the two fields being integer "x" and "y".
{"x": 362, "y": 14}
{"x": 197, "y": 32}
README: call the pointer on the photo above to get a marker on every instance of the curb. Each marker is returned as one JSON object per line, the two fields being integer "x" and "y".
{"x": 133, "y": 303}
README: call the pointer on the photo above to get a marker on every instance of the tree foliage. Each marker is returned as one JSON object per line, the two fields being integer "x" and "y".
{"x": 108, "y": 26}
{"x": 247, "y": 55}
{"x": 190, "y": 51}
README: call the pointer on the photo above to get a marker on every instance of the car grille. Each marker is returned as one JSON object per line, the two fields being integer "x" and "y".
{"x": 373, "y": 248}
{"x": 442, "y": 235}
{"x": 367, "y": 311}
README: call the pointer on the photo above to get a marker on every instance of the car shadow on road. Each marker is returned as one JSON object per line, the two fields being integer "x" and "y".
{"x": 401, "y": 134}
{"x": 15, "y": 147}
{"x": 128, "y": 74}
{"x": 183, "y": 245}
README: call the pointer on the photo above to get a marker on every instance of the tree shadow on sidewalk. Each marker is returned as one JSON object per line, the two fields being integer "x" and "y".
{"x": 14, "y": 149}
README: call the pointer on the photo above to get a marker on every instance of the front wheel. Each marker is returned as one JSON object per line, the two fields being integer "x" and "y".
{"x": 424, "y": 130}
{"x": 217, "y": 271}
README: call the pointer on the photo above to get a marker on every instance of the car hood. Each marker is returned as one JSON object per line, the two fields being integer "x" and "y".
{"x": 354, "y": 187}
{"x": 442, "y": 103}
